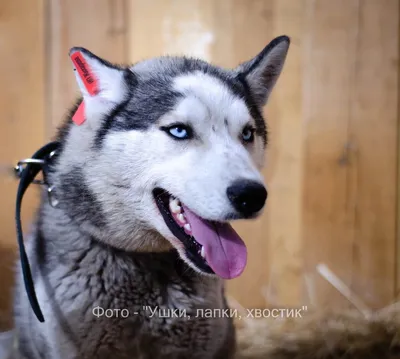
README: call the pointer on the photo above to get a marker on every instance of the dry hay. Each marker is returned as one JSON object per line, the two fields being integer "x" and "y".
{"x": 349, "y": 334}
{"x": 345, "y": 335}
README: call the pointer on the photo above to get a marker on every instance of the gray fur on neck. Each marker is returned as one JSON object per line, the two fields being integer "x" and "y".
{"x": 75, "y": 273}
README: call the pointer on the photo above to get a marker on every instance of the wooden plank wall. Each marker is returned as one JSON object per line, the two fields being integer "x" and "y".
{"x": 332, "y": 161}
{"x": 373, "y": 270}
{"x": 22, "y": 125}
{"x": 350, "y": 154}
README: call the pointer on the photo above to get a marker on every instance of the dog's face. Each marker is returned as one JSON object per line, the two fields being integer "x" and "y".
{"x": 170, "y": 151}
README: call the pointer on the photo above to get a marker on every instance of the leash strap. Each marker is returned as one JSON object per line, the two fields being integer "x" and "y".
{"x": 38, "y": 162}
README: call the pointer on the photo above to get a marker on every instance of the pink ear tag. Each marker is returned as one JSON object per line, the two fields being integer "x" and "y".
{"x": 79, "y": 115}
{"x": 89, "y": 81}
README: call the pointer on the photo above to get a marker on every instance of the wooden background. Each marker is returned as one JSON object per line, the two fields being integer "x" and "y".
{"x": 333, "y": 160}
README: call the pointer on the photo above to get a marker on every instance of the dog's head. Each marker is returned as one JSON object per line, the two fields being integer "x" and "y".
{"x": 169, "y": 152}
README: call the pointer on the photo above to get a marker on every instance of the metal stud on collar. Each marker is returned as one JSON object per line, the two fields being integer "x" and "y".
{"x": 53, "y": 200}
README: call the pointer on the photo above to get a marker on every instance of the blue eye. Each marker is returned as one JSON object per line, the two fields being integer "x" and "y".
{"x": 248, "y": 134}
{"x": 178, "y": 131}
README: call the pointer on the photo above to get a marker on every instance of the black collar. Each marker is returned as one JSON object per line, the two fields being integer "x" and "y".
{"x": 27, "y": 170}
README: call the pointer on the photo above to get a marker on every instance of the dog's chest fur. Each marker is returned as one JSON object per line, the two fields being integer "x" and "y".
{"x": 160, "y": 293}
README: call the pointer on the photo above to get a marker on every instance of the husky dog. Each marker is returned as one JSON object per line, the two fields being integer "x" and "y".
{"x": 133, "y": 257}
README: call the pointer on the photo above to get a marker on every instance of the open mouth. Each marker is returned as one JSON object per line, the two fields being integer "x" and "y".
{"x": 212, "y": 247}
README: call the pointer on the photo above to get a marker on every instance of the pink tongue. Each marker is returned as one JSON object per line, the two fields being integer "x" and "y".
{"x": 225, "y": 251}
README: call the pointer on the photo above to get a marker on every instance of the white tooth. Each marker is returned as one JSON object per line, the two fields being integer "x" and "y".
{"x": 202, "y": 252}
{"x": 187, "y": 227}
{"x": 174, "y": 206}
{"x": 177, "y": 209}
{"x": 181, "y": 218}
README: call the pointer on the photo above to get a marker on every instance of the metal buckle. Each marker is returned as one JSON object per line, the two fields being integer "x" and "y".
{"x": 19, "y": 168}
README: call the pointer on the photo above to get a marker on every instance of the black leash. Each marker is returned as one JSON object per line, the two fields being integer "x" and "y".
{"x": 27, "y": 170}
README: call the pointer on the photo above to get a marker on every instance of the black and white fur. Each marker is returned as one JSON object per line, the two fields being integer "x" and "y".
{"x": 106, "y": 244}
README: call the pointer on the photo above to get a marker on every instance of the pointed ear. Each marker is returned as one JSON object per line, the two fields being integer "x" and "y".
{"x": 262, "y": 72}
{"x": 98, "y": 80}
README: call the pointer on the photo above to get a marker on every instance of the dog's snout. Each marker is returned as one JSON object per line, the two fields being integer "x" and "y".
{"x": 247, "y": 197}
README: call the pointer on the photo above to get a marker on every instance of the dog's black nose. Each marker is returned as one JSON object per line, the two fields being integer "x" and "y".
{"x": 247, "y": 197}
